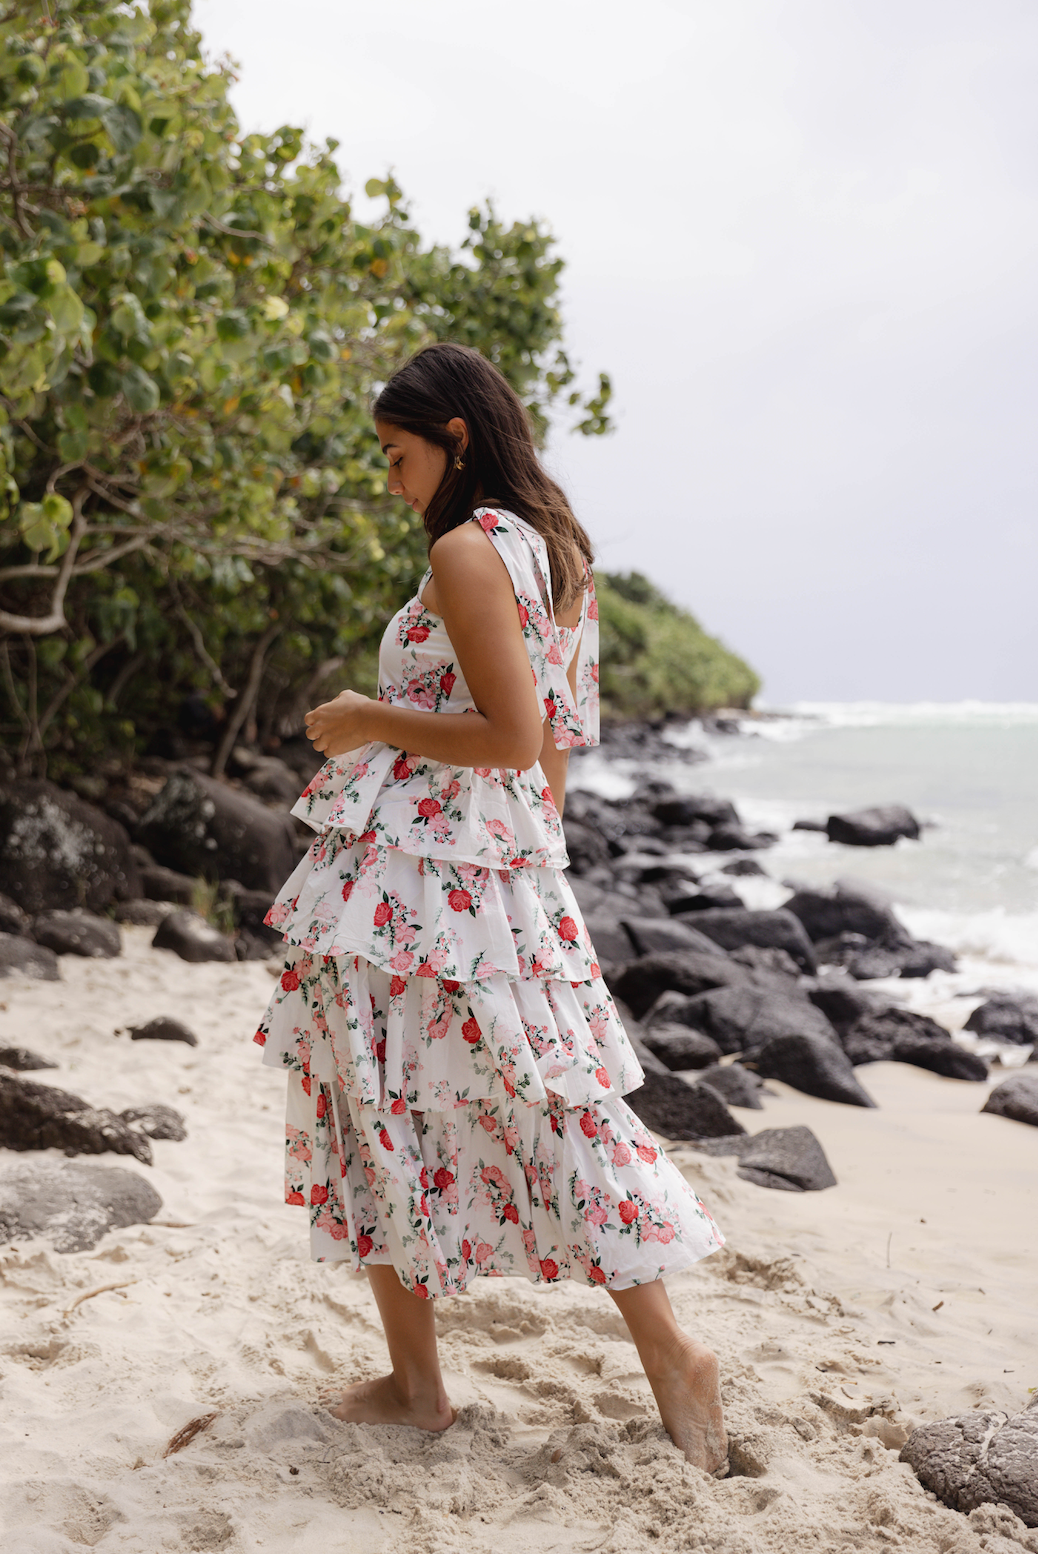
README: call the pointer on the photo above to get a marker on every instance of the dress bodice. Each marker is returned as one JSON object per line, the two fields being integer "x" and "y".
{"x": 489, "y": 817}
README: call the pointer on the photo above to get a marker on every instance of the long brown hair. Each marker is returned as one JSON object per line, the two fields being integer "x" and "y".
{"x": 445, "y": 380}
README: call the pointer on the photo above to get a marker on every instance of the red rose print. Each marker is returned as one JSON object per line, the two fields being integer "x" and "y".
{"x": 588, "y": 1126}
{"x": 597, "y": 1275}
{"x": 450, "y": 987}
{"x": 380, "y": 1050}
{"x": 466, "y": 1250}
{"x": 628, "y": 1211}
{"x": 602, "y": 1075}
{"x": 549, "y": 1268}
{"x": 424, "y": 1178}
{"x": 425, "y": 970}
{"x": 397, "y": 986}
{"x": 417, "y": 633}
{"x": 442, "y": 1178}
{"x": 347, "y": 889}
{"x": 549, "y": 706}
{"x": 471, "y": 1032}
{"x": 511, "y": 1213}
{"x": 401, "y": 770}
{"x": 383, "y": 914}
{"x": 429, "y": 807}
{"x": 524, "y": 614}
{"x": 364, "y": 1245}
{"x": 487, "y": 522}
{"x": 290, "y": 980}
{"x": 447, "y": 682}
{"x": 318, "y": 1194}
{"x": 422, "y": 1291}
{"x": 567, "y": 929}
{"x": 647, "y": 1153}
{"x": 518, "y": 863}
{"x": 322, "y": 1106}
{"x": 423, "y": 1207}
{"x": 260, "y": 1038}
{"x": 305, "y": 1082}
{"x": 386, "y": 1141}
{"x": 294, "y": 1197}
{"x": 399, "y": 1106}
{"x": 459, "y": 900}
{"x": 369, "y": 836}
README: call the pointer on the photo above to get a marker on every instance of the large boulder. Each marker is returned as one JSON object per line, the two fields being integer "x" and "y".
{"x": 874, "y": 1035}
{"x": 611, "y": 942}
{"x": 22, "y": 1060}
{"x": 731, "y": 927}
{"x": 744, "y": 1017}
{"x": 685, "y": 809}
{"x": 1010, "y": 1017}
{"x": 12, "y": 919}
{"x": 78, "y": 933}
{"x": 31, "y": 959}
{"x": 71, "y": 1204}
{"x": 158, "y": 1121}
{"x": 813, "y": 1064}
{"x": 35, "y": 1116}
{"x": 867, "y": 961}
{"x": 847, "y": 907}
{"x": 660, "y": 935}
{"x": 56, "y": 851}
{"x": 192, "y": 938}
{"x": 1016, "y": 1097}
{"x": 896, "y": 1035}
{"x": 678, "y": 1047}
{"x": 586, "y": 847}
{"x": 163, "y": 1028}
{"x": 732, "y": 838}
{"x": 734, "y": 1084}
{"x": 789, "y": 1159}
{"x": 980, "y": 1459}
{"x": 161, "y": 884}
{"x": 879, "y": 826}
{"x": 842, "y": 999}
{"x": 677, "y": 1110}
{"x": 641, "y": 982}
{"x": 199, "y": 826}
{"x": 702, "y": 899}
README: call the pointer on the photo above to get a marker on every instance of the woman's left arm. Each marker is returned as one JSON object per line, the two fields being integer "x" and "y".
{"x": 479, "y": 610}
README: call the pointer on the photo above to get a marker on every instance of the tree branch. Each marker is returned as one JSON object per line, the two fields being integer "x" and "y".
{"x": 246, "y": 700}
{"x": 44, "y": 625}
{"x": 219, "y": 226}
{"x": 199, "y": 641}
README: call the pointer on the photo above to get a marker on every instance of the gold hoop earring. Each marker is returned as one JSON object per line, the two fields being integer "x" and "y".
{"x": 459, "y": 462}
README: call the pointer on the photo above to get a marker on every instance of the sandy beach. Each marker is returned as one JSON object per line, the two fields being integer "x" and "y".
{"x": 842, "y": 1319}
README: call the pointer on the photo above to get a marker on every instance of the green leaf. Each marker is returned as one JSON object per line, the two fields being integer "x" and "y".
{"x": 140, "y": 391}
{"x": 123, "y": 126}
{"x": 89, "y": 106}
{"x": 66, "y": 309}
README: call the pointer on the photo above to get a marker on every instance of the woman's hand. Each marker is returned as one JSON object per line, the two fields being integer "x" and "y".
{"x": 339, "y": 725}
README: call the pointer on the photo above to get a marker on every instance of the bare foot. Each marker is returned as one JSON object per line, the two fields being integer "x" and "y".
{"x": 687, "y": 1390}
{"x": 382, "y": 1402}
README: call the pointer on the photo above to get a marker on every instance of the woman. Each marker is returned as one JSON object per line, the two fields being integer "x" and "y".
{"x": 455, "y": 1060}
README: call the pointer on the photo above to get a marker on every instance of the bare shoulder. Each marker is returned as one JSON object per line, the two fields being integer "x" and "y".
{"x": 466, "y": 555}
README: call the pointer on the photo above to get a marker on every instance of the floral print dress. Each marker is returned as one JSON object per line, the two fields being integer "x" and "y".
{"x": 455, "y": 1062}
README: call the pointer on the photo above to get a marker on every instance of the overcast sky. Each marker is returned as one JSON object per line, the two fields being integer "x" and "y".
{"x": 801, "y": 235}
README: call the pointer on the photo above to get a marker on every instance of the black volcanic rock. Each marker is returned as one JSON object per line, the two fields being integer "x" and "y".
{"x": 1010, "y": 1017}
{"x": 56, "y": 851}
{"x": 677, "y": 1110}
{"x": 78, "y": 933}
{"x": 192, "y": 938}
{"x": 642, "y": 981}
{"x": 28, "y": 957}
{"x": 1016, "y": 1098}
{"x": 747, "y": 1016}
{"x": 198, "y": 826}
{"x": 736, "y": 1085}
{"x": 879, "y": 826}
{"x": 679, "y": 1047}
{"x": 71, "y": 1204}
{"x": 731, "y": 927}
{"x": 979, "y": 1459}
{"x": 35, "y": 1116}
{"x": 814, "y": 1064}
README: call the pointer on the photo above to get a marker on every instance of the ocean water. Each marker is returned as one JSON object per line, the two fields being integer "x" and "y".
{"x": 968, "y": 770}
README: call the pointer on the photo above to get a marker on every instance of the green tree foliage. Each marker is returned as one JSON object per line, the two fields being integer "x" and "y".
{"x": 657, "y": 659}
{"x": 192, "y": 325}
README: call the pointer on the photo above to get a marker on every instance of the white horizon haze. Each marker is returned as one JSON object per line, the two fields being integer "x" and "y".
{"x": 801, "y": 237}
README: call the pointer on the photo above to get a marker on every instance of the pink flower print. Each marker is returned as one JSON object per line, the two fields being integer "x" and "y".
{"x": 511, "y": 1134}
{"x": 402, "y": 961}
{"x": 666, "y": 1233}
{"x": 488, "y": 1124}
{"x": 438, "y": 1028}
{"x": 369, "y": 1177}
{"x": 423, "y": 696}
{"x": 602, "y": 1075}
{"x": 596, "y": 1214}
{"x": 500, "y": 830}
{"x": 554, "y": 654}
{"x": 451, "y": 791}
{"x": 598, "y": 1024}
{"x": 483, "y": 1251}
{"x": 524, "y": 614}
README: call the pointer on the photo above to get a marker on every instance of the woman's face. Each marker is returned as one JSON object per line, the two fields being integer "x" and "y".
{"x": 416, "y": 467}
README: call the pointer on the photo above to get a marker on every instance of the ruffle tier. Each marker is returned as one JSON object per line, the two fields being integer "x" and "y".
{"x": 411, "y": 1043}
{"x": 484, "y": 816}
{"x": 428, "y": 917}
{"x": 455, "y": 1132}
